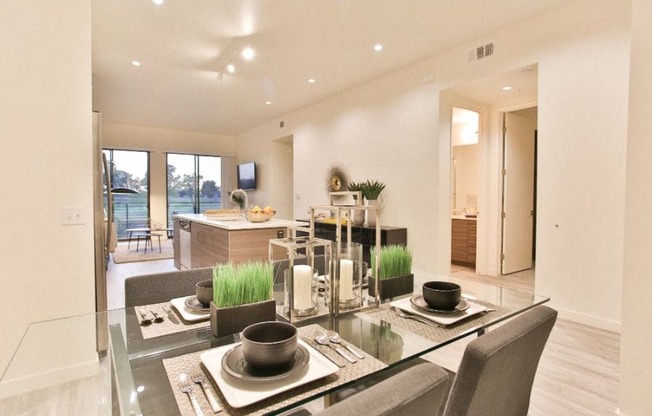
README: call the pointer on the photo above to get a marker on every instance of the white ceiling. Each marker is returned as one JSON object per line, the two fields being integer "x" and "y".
{"x": 182, "y": 44}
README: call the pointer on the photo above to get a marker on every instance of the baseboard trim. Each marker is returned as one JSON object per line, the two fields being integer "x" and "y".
{"x": 590, "y": 320}
{"x": 16, "y": 386}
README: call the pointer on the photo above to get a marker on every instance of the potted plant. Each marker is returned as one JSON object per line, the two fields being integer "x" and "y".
{"x": 371, "y": 191}
{"x": 395, "y": 273}
{"x": 358, "y": 215}
{"x": 240, "y": 200}
{"x": 242, "y": 295}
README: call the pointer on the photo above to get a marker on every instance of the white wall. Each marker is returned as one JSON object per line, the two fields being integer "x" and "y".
{"x": 159, "y": 142}
{"x": 45, "y": 164}
{"x": 636, "y": 339}
{"x": 388, "y": 130}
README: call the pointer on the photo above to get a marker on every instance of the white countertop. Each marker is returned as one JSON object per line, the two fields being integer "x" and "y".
{"x": 238, "y": 224}
{"x": 462, "y": 217}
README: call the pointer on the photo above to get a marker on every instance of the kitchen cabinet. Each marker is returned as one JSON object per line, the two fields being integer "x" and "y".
{"x": 215, "y": 241}
{"x": 463, "y": 241}
{"x": 365, "y": 235}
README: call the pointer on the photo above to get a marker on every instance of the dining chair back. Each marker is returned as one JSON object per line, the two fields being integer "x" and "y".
{"x": 416, "y": 390}
{"x": 497, "y": 370}
{"x": 161, "y": 287}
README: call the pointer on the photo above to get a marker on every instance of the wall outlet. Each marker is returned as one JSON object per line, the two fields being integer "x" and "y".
{"x": 72, "y": 215}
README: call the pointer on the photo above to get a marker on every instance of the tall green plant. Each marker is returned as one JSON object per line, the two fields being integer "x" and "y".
{"x": 371, "y": 190}
{"x": 395, "y": 261}
{"x": 240, "y": 284}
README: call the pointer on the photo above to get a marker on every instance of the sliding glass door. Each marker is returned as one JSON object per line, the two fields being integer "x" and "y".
{"x": 129, "y": 172}
{"x": 194, "y": 184}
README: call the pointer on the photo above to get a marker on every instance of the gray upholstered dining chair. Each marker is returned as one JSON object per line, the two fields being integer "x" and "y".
{"x": 413, "y": 389}
{"x": 161, "y": 287}
{"x": 497, "y": 370}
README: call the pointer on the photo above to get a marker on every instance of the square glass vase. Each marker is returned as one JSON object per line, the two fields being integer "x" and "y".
{"x": 233, "y": 319}
{"x": 393, "y": 287}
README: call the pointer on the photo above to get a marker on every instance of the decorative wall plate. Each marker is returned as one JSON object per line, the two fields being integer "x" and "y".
{"x": 336, "y": 179}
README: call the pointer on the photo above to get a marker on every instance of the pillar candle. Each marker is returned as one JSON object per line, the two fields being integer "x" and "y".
{"x": 346, "y": 279}
{"x": 302, "y": 287}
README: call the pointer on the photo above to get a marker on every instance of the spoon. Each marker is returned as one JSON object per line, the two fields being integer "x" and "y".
{"x": 157, "y": 318}
{"x": 145, "y": 320}
{"x": 322, "y": 338}
{"x": 336, "y": 339}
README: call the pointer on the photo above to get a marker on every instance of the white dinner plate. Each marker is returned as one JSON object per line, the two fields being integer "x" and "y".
{"x": 239, "y": 393}
{"x": 187, "y": 314}
{"x": 442, "y": 319}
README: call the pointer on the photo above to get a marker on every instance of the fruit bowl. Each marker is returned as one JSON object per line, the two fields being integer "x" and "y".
{"x": 259, "y": 216}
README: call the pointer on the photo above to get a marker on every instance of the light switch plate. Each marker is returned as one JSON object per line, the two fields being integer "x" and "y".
{"x": 72, "y": 215}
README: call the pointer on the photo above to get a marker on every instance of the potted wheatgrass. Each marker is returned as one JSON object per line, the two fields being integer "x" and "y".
{"x": 395, "y": 273}
{"x": 242, "y": 295}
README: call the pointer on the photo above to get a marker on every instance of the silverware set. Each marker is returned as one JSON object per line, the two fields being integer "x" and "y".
{"x": 186, "y": 386}
{"x": 323, "y": 338}
{"x": 157, "y": 317}
{"x": 406, "y": 315}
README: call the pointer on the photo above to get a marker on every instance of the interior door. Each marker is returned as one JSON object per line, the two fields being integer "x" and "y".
{"x": 518, "y": 193}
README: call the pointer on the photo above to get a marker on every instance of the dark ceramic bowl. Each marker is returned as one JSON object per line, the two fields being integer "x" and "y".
{"x": 442, "y": 295}
{"x": 204, "y": 291}
{"x": 269, "y": 344}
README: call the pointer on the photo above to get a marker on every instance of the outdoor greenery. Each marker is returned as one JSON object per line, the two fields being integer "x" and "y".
{"x": 395, "y": 260}
{"x": 240, "y": 284}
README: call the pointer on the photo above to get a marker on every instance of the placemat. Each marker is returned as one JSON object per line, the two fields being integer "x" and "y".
{"x": 166, "y": 327}
{"x": 435, "y": 332}
{"x": 191, "y": 363}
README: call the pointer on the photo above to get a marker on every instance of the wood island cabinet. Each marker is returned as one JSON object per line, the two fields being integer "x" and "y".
{"x": 213, "y": 242}
{"x": 463, "y": 241}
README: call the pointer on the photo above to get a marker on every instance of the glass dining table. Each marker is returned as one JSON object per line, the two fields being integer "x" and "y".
{"x": 137, "y": 368}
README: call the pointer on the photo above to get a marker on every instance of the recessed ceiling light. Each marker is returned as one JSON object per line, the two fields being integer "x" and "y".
{"x": 230, "y": 68}
{"x": 135, "y": 63}
{"x": 248, "y": 53}
{"x": 311, "y": 81}
{"x": 507, "y": 88}
{"x": 268, "y": 102}
{"x": 378, "y": 47}
{"x": 157, "y": 1}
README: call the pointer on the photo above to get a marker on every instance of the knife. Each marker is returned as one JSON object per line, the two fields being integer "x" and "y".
{"x": 171, "y": 316}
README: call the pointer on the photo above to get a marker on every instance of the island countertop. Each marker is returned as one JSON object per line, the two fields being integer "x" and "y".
{"x": 238, "y": 224}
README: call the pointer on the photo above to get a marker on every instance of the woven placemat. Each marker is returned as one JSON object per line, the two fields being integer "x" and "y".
{"x": 191, "y": 363}
{"x": 166, "y": 327}
{"x": 435, "y": 332}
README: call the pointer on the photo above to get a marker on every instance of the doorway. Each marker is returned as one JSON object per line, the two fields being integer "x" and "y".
{"x": 281, "y": 159}
{"x": 518, "y": 213}
{"x": 492, "y": 97}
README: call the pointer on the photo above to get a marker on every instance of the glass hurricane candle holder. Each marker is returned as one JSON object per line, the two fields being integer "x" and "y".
{"x": 350, "y": 267}
{"x": 305, "y": 291}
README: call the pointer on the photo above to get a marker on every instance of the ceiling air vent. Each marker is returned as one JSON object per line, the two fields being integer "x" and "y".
{"x": 481, "y": 52}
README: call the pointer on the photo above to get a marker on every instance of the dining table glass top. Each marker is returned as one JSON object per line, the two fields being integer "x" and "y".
{"x": 137, "y": 369}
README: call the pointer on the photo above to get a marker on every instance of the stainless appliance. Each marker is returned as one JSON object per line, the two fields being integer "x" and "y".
{"x": 184, "y": 245}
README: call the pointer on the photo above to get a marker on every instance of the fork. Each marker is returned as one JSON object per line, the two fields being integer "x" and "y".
{"x": 406, "y": 315}
{"x": 200, "y": 379}
{"x": 185, "y": 385}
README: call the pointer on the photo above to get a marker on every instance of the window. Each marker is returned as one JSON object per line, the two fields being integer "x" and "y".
{"x": 194, "y": 184}
{"x": 129, "y": 171}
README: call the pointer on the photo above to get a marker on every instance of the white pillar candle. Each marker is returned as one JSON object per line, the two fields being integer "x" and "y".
{"x": 346, "y": 279}
{"x": 302, "y": 287}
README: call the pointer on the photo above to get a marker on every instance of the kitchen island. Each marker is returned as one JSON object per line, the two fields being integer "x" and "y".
{"x": 200, "y": 241}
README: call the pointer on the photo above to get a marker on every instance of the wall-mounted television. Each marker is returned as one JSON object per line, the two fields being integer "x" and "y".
{"x": 247, "y": 176}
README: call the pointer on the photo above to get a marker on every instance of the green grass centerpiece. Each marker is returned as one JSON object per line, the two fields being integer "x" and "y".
{"x": 235, "y": 285}
{"x": 242, "y": 295}
{"x": 395, "y": 272}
